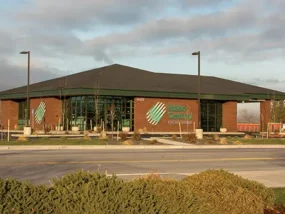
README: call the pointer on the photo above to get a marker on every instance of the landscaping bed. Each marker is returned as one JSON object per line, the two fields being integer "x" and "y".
{"x": 122, "y": 139}
{"x": 212, "y": 191}
{"x": 217, "y": 140}
{"x": 59, "y": 141}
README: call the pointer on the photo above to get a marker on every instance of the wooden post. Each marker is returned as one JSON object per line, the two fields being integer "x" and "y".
{"x": 180, "y": 129}
{"x": 8, "y": 131}
{"x": 267, "y": 130}
{"x": 118, "y": 130}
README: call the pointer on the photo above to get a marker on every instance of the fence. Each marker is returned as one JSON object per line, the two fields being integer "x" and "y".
{"x": 255, "y": 127}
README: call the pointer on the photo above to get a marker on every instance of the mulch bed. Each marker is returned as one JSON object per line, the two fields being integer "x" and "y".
{"x": 277, "y": 210}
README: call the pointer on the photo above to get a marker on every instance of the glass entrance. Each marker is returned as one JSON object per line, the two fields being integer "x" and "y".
{"x": 211, "y": 116}
{"x": 83, "y": 112}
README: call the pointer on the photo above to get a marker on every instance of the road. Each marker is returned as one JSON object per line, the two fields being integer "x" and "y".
{"x": 263, "y": 165}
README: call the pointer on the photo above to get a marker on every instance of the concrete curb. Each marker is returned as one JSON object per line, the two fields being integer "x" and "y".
{"x": 122, "y": 147}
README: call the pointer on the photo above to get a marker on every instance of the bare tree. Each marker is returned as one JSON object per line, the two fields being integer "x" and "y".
{"x": 277, "y": 111}
{"x": 112, "y": 116}
{"x": 246, "y": 116}
{"x": 96, "y": 103}
{"x": 63, "y": 95}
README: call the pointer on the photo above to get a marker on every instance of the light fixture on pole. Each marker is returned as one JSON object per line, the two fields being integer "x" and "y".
{"x": 199, "y": 111}
{"x": 28, "y": 88}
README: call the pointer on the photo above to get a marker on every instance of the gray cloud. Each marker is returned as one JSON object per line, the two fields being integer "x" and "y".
{"x": 88, "y": 14}
{"x": 238, "y": 33}
{"x": 246, "y": 31}
{"x": 200, "y": 3}
{"x": 272, "y": 83}
{"x": 15, "y": 76}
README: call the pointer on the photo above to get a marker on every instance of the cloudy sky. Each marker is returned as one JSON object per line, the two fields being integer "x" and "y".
{"x": 243, "y": 40}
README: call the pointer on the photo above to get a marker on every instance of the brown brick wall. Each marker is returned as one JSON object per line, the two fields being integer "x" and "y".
{"x": 230, "y": 116}
{"x": 142, "y": 106}
{"x": 9, "y": 111}
{"x": 264, "y": 114}
{"x": 52, "y": 114}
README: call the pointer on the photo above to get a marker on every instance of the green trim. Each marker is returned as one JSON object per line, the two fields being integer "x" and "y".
{"x": 138, "y": 93}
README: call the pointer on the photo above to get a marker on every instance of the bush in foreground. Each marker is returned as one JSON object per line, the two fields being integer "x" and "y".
{"x": 82, "y": 192}
{"x": 225, "y": 192}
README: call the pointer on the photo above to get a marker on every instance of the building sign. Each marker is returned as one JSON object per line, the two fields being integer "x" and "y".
{"x": 175, "y": 114}
{"x": 155, "y": 113}
{"x": 40, "y": 112}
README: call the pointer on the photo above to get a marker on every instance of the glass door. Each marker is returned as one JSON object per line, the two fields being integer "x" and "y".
{"x": 211, "y": 116}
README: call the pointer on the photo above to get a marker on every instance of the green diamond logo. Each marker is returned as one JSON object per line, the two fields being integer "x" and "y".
{"x": 40, "y": 112}
{"x": 155, "y": 114}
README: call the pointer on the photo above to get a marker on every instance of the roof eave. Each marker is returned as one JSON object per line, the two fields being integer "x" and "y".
{"x": 141, "y": 93}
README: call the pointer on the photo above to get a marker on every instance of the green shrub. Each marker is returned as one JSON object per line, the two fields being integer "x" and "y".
{"x": 280, "y": 196}
{"x": 170, "y": 195}
{"x": 212, "y": 191}
{"x": 225, "y": 192}
{"x": 22, "y": 197}
{"x": 64, "y": 138}
{"x": 190, "y": 138}
{"x": 123, "y": 136}
{"x": 99, "y": 129}
{"x": 136, "y": 136}
{"x": 83, "y": 192}
{"x": 174, "y": 137}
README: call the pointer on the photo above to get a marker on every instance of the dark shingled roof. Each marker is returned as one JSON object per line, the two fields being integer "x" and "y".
{"x": 127, "y": 78}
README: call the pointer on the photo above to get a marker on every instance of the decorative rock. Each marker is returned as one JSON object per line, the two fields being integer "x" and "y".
{"x": 237, "y": 143}
{"x": 22, "y": 138}
{"x": 247, "y": 136}
{"x": 216, "y": 137}
{"x": 86, "y": 137}
{"x": 128, "y": 142}
{"x": 223, "y": 141}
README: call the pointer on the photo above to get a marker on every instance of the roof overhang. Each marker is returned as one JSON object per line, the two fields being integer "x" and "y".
{"x": 141, "y": 93}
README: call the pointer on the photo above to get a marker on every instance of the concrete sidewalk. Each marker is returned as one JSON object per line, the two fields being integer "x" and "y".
{"x": 135, "y": 147}
{"x": 169, "y": 142}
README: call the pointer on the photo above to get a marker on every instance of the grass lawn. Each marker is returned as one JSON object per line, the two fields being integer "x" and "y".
{"x": 54, "y": 142}
{"x": 232, "y": 140}
{"x": 280, "y": 196}
{"x": 260, "y": 141}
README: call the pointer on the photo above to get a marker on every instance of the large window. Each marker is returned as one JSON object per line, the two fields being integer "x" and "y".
{"x": 211, "y": 116}
{"x": 22, "y": 112}
{"x": 88, "y": 111}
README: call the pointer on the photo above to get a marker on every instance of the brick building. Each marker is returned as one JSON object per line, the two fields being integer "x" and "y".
{"x": 156, "y": 102}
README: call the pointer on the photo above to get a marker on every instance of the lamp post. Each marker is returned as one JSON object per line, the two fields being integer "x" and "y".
{"x": 28, "y": 92}
{"x": 199, "y": 111}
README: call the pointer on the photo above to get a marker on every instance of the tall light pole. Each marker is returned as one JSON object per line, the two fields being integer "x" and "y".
{"x": 28, "y": 90}
{"x": 199, "y": 111}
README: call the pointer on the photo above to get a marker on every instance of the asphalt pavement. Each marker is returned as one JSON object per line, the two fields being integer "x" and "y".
{"x": 40, "y": 166}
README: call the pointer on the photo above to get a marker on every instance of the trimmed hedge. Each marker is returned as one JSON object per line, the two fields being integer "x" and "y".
{"x": 82, "y": 192}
